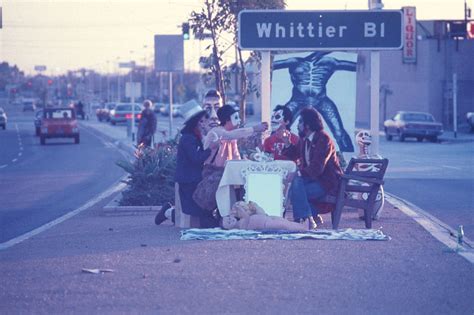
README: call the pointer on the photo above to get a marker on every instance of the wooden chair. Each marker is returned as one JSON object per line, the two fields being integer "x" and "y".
{"x": 354, "y": 183}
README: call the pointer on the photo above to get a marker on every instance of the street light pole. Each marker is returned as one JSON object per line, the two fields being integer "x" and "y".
{"x": 144, "y": 74}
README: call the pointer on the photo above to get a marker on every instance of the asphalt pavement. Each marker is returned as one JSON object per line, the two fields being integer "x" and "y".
{"x": 153, "y": 271}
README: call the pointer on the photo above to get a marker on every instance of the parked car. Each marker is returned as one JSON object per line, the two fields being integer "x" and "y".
{"x": 37, "y": 121}
{"x": 103, "y": 113}
{"x": 59, "y": 123}
{"x": 165, "y": 110}
{"x": 123, "y": 112}
{"x": 3, "y": 118}
{"x": 29, "y": 105}
{"x": 419, "y": 125}
{"x": 470, "y": 120}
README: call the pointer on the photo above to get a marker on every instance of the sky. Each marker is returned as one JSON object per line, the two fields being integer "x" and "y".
{"x": 69, "y": 34}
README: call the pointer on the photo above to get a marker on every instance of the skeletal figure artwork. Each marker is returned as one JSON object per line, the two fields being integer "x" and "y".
{"x": 364, "y": 140}
{"x": 309, "y": 76}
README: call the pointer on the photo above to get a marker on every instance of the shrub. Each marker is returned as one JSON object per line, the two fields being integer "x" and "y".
{"x": 151, "y": 176}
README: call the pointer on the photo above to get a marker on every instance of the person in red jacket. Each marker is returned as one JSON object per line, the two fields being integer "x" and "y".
{"x": 281, "y": 120}
{"x": 319, "y": 172}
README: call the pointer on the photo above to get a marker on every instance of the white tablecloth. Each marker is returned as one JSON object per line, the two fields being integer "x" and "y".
{"x": 225, "y": 195}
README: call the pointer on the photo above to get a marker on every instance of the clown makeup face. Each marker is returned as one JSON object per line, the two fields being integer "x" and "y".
{"x": 203, "y": 123}
{"x": 277, "y": 119}
{"x": 211, "y": 105}
{"x": 229, "y": 222}
{"x": 235, "y": 119}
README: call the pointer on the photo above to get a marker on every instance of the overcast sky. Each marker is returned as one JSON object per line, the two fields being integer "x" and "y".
{"x": 66, "y": 34}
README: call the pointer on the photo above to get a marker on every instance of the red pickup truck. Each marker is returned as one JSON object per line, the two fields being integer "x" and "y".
{"x": 59, "y": 123}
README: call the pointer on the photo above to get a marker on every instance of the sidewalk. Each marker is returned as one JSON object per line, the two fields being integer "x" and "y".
{"x": 155, "y": 272}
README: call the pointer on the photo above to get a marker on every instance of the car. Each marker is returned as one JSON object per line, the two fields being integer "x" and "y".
{"x": 470, "y": 120}
{"x": 3, "y": 118}
{"x": 103, "y": 113}
{"x": 37, "y": 122}
{"x": 29, "y": 106}
{"x": 59, "y": 123}
{"x": 165, "y": 110}
{"x": 123, "y": 113}
{"x": 419, "y": 125}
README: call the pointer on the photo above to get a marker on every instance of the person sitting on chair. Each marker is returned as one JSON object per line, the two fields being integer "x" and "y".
{"x": 319, "y": 172}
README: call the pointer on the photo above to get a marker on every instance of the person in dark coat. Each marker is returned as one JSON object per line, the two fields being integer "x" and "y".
{"x": 190, "y": 160}
{"x": 147, "y": 125}
{"x": 319, "y": 172}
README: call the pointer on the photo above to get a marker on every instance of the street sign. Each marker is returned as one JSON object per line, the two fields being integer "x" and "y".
{"x": 320, "y": 30}
{"x": 133, "y": 89}
{"x": 40, "y": 68}
{"x": 169, "y": 53}
{"x": 130, "y": 64}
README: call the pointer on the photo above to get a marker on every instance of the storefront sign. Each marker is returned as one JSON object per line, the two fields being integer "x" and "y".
{"x": 409, "y": 35}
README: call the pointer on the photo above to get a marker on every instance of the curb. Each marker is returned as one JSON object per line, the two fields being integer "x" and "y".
{"x": 438, "y": 229}
{"x": 113, "y": 209}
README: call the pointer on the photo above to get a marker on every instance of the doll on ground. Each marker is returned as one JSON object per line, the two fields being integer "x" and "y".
{"x": 250, "y": 216}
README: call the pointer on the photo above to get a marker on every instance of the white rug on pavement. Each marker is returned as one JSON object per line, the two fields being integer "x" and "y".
{"x": 343, "y": 234}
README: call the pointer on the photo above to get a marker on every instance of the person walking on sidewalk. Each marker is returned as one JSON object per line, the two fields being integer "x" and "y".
{"x": 147, "y": 125}
{"x": 319, "y": 172}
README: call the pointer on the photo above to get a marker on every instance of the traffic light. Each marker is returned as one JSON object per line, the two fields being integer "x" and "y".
{"x": 185, "y": 29}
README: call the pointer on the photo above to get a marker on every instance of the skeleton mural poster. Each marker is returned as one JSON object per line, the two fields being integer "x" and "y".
{"x": 325, "y": 81}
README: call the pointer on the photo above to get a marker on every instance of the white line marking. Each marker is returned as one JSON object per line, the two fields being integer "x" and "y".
{"x": 113, "y": 189}
{"x": 14, "y": 160}
{"x": 20, "y": 154}
{"x": 439, "y": 230}
{"x": 452, "y": 167}
{"x": 3, "y": 166}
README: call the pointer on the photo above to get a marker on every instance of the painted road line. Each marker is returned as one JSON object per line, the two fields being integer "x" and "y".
{"x": 14, "y": 160}
{"x": 438, "y": 229}
{"x": 452, "y": 167}
{"x": 3, "y": 166}
{"x": 113, "y": 189}
{"x": 20, "y": 154}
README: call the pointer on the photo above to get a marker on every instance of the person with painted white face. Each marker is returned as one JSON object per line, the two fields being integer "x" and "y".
{"x": 226, "y": 135}
{"x": 211, "y": 103}
{"x": 281, "y": 120}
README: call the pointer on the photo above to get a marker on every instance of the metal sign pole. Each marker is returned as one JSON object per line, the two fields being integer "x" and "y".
{"x": 266, "y": 87}
{"x": 171, "y": 103}
{"x": 455, "y": 104}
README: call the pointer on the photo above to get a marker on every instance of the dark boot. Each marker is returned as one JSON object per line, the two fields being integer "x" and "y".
{"x": 160, "y": 217}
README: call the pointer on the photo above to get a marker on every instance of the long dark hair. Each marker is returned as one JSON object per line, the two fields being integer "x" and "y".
{"x": 191, "y": 124}
{"x": 312, "y": 119}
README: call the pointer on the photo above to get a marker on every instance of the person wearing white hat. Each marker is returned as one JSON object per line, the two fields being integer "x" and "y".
{"x": 189, "y": 165}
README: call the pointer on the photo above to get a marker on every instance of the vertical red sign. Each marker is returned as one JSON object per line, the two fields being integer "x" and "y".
{"x": 409, "y": 35}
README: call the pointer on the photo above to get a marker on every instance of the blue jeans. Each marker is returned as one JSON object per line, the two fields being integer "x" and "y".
{"x": 301, "y": 190}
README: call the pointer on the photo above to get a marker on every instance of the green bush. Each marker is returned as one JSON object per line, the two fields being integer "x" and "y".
{"x": 151, "y": 176}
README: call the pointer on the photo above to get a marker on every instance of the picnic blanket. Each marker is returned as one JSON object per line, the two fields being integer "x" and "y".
{"x": 343, "y": 234}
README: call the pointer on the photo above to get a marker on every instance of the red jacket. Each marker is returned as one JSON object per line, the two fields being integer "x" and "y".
{"x": 324, "y": 163}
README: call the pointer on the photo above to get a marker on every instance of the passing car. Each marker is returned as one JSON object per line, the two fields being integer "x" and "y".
{"x": 123, "y": 113}
{"x": 103, "y": 114}
{"x": 470, "y": 120}
{"x": 419, "y": 125}
{"x": 165, "y": 110}
{"x": 3, "y": 119}
{"x": 37, "y": 122}
{"x": 29, "y": 106}
{"x": 59, "y": 123}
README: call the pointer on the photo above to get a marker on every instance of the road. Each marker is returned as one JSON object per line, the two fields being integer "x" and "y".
{"x": 437, "y": 177}
{"x": 40, "y": 183}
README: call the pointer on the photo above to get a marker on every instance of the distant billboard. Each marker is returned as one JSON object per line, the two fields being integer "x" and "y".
{"x": 169, "y": 53}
